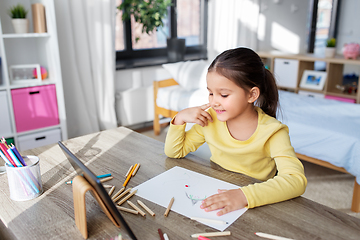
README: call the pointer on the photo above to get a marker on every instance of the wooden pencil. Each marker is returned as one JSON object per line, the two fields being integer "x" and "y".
{"x": 136, "y": 208}
{"x": 121, "y": 195}
{"x": 106, "y": 179}
{"x": 211, "y": 234}
{"x": 107, "y": 186}
{"x": 136, "y": 169}
{"x": 169, "y": 207}
{"x": 118, "y": 193}
{"x": 127, "y": 197}
{"x": 129, "y": 171}
{"x": 127, "y": 210}
{"x": 111, "y": 190}
{"x": 146, "y": 208}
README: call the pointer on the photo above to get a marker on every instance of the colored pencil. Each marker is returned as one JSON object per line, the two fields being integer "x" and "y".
{"x": 136, "y": 208}
{"x": 136, "y": 169}
{"x": 169, "y": 207}
{"x": 118, "y": 193}
{"x": 161, "y": 234}
{"x": 146, "y": 208}
{"x": 121, "y": 195}
{"x": 127, "y": 197}
{"x": 211, "y": 234}
{"x": 106, "y": 179}
{"x": 111, "y": 190}
{"x": 129, "y": 171}
{"x": 129, "y": 176}
{"x": 127, "y": 210}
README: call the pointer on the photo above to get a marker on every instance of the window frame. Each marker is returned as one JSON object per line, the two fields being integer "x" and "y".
{"x": 130, "y": 58}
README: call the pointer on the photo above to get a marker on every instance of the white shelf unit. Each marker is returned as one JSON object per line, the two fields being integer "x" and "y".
{"x": 25, "y": 49}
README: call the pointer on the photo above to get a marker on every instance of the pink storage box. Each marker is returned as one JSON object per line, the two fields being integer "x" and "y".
{"x": 349, "y": 100}
{"x": 35, "y": 107}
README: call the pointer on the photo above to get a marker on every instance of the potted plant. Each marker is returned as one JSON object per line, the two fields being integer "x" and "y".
{"x": 18, "y": 14}
{"x": 151, "y": 14}
{"x": 330, "y": 48}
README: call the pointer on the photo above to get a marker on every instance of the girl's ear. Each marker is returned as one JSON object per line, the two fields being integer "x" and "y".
{"x": 254, "y": 94}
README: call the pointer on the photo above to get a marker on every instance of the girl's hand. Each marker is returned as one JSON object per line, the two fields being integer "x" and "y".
{"x": 227, "y": 200}
{"x": 194, "y": 115}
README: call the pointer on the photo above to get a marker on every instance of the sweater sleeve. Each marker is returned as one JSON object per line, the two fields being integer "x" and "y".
{"x": 290, "y": 180}
{"x": 179, "y": 143}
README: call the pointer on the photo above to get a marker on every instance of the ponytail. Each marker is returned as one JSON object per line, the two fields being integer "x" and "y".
{"x": 268, "y": 100}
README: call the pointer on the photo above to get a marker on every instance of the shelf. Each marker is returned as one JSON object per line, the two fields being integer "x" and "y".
{"x": 44, "y": 82}
{"x": 26, "y": 35}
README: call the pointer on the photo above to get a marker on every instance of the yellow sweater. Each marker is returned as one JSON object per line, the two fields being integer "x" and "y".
{"x": 268, "y": 150}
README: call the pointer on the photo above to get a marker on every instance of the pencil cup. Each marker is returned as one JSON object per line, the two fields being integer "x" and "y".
{"x": 25, "y": 182}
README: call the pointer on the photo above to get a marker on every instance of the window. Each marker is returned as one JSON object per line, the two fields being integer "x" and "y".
{"x": 186, "y": 19}
{"x": 324, "y": 19}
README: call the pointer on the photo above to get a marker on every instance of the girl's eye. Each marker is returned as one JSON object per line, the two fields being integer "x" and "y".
{"x": 210, "y": 94}
{"x": 224, "y": 96}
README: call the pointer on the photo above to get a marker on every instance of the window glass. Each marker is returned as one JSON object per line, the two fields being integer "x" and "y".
{"x": 188, "y": 21}
{"x": 119, "y": 29}
{"x": 322, "y": 25}
{"x": 146, "y": 41}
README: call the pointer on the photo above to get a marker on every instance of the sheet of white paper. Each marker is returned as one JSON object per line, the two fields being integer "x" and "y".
{"x": 188, "y": 189}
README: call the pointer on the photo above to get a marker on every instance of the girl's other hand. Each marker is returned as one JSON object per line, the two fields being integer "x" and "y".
{"x": 196, "y": 115}
{"x": 227, "y": 200}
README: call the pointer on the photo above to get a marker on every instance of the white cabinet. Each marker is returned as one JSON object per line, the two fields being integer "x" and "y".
{"x": 30, "y": 49}
{"x": 286, "y": 72}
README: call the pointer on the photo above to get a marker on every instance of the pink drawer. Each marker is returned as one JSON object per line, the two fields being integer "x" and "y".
{"x": 35, "y": 107}
{"x": 349, "y": 100}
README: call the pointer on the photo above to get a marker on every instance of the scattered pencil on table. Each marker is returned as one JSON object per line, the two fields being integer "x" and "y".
{"x": 106, "y": 179}
{"x": 146, "y": 208}
{"x": 211, "y": 234}
{"x": 136, "y": 208}
{"x": 117, "y": 194}
{"x": 270, "y": 236}
{"x": 161, "y": 234}
{"x": 111, "y": 190}
{"x": 107, "y": 186}
{"x": 169, "y": 207}
{"x": 129, "y": 176}
{"x": 127, "y": 210}
{"x": 127, "y": 197}
{"x": 136, "y": 169}
{"x": 129, "y": 170}
{"x": 122, "y": 194}
{"x": 209, "y": 220}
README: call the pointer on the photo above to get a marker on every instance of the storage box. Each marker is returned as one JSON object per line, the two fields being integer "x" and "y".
{"x": 35, "y": 107}
{"x": 286, "y": 72}
{"x": 5, "y": 122}
{"x": 39, "y": 139}
{"x": 342, "y": 99}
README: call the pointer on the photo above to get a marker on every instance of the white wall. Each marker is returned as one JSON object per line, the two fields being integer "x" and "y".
{"x": 281, "y": 26}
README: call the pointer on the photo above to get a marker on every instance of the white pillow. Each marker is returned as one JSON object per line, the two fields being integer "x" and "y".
{"x": 188, "y": 74}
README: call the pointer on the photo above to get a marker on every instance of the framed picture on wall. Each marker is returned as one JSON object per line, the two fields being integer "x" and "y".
{"x": 313, "y": 80}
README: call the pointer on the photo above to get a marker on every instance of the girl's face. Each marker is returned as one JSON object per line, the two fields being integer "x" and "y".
{"x": 228, "y": 99}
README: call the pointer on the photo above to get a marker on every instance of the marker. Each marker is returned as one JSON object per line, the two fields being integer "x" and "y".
{"x": 209, "y": 220}
{"x": 269, "y": 236}
{"x": 166, "y": 236}
{"x": 161, "y": 234}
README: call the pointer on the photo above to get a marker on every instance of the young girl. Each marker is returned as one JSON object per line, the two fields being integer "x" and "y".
{"x": 239, "y": 125}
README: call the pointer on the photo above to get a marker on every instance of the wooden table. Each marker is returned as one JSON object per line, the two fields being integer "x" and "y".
{"x": 51, "y": 215}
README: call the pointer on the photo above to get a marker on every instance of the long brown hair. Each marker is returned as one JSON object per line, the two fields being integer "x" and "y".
{"x": 246, "y": 69}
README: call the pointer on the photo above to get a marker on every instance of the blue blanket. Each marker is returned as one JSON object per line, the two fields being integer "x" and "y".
{"x": 325, "y": 129}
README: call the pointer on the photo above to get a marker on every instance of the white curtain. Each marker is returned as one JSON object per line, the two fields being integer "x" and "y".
{"x": 232, "y": 23}
{"x": 87, "y": 55}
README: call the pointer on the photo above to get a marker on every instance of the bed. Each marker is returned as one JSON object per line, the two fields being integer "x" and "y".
{"x": 322, "y": 131}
